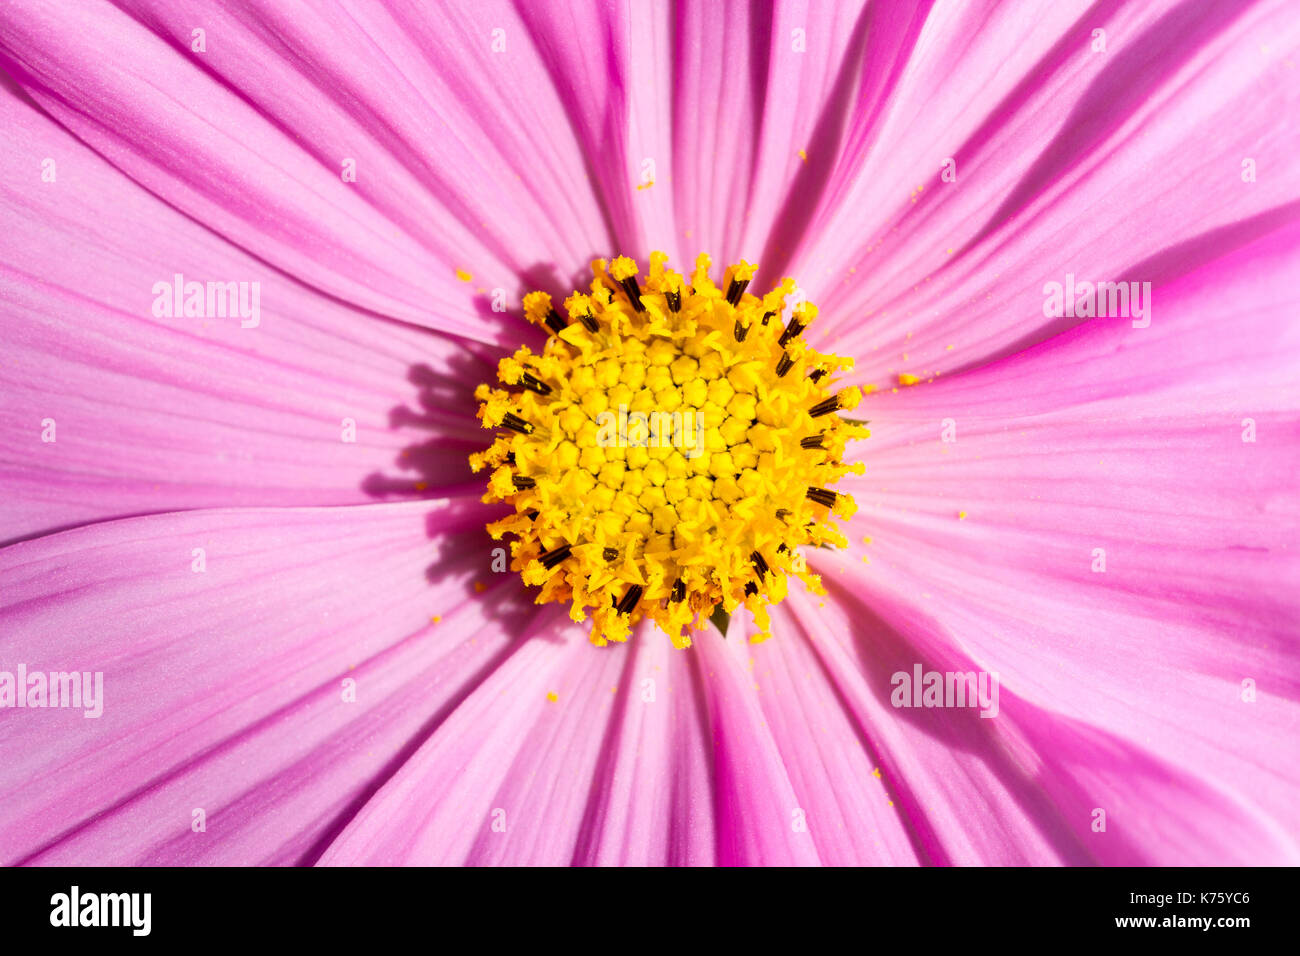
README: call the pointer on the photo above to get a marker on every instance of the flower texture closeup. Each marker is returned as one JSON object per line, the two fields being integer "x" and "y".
{"x": 701, "y": 500}
{"x": 607, "y": 432}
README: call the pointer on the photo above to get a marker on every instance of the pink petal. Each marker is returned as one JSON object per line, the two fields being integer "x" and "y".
{"x": 831, "y": 757}
{"x": 1123, "y": 164}
{"x": 1020, "y": 787}
{"x": 151, "y": 414}
{"x": 224, "y": 690}
{"x": 463, "y": 156}
{"x": 507, "y": 777}
{"x": 1131, "y": 441}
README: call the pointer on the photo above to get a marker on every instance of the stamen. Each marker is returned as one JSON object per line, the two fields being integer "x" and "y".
{"x": 551, "y": 558}
{"x": 633, "y": 291}
{"x": 822, "y": 496}
{"x": 657, "y": 447}
{"x": 630, "y": 599}
{"x": 516, "y": 424}
{"x": 791, "y": 332}
{"x": 534, "y": 384}
{"x": 736, "y": 290}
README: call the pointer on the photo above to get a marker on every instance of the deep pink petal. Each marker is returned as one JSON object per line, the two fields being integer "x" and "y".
{"x": 1128, "y": 442}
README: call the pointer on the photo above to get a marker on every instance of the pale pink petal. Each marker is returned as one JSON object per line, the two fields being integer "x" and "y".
{"x": 464, "y": 160}
{"x": 226, "y": 690}
{"x": 507, "y": 777}
{"x": 760, "y": 820}
{"x": 154, "y": 413}
{"x": 654, "y": 803}
{"x": 832, "y": 758}
{"x": 1122, "y": 164}
{"x": 515, "y": 777}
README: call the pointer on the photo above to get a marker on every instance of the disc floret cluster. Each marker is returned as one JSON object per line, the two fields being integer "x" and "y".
{"x": 671, "y": 451}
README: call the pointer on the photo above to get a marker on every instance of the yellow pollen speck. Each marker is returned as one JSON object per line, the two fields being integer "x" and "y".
{"x": 803, "y": 154}
{"x": 670, "y": 450}
{"x": 463, "y": 276}
{"x": 552, "y": 696}
{"x": 421, "y": 485}
{"x": 480, "y": 587}
{"x": 905, "y": 378}
{"x": 641, "y": 186}
{"x": 436, "y": 619}
{"x": 961, "y": 515}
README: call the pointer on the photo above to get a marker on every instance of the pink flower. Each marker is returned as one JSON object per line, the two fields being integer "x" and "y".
{"x": 258, "y": 525}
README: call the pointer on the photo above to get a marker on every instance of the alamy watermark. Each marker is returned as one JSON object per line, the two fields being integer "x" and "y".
{"x": 625, "y": 429}
{"x": 1086, "y": 300}
{"x": 132, "y": 911}
{"x": 213, "y": 300}
{"x": 922, "y": 688}
{"x": 42, "y": 689}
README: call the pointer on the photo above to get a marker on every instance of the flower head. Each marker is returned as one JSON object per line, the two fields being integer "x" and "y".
{"x": 671, "y": 450}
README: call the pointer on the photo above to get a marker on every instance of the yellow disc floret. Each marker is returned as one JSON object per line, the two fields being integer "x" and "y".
{"x": 671, "y": 449}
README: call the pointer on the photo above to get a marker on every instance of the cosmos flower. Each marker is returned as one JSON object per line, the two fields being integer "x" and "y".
{"x": 262, "y": 263}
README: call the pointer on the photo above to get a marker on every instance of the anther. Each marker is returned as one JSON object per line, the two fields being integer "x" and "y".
{"x": 822, "y": 496}
{"x": 816, "y": 375}
{"x": 610, "y": 554}
{"x": 791, "y": 331}
{"x": 552, "y": 558}
{"x": 633, "y": 290}
{"x": 523, "y": 481}
{"x": 679, "y": 590}
{"x": 831, "y": 404}
{"x": 553, "y": 320}
{"x": 630, "y": 599}
{"x": 736, "y": 290}
{"x": 784, "y": 364}
{"x": 741, "y": 331}
{"x": 759, "y": 564}
{"x": 812, "y": 441}
{"x": 517, "y": 424}
{"x": 589, "y": 322}
{"x": 674, "y": 301}
{"x": 535, "y": 384}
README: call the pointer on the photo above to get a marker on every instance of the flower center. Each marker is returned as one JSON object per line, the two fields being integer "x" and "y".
{"x": 671, "y": 449}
